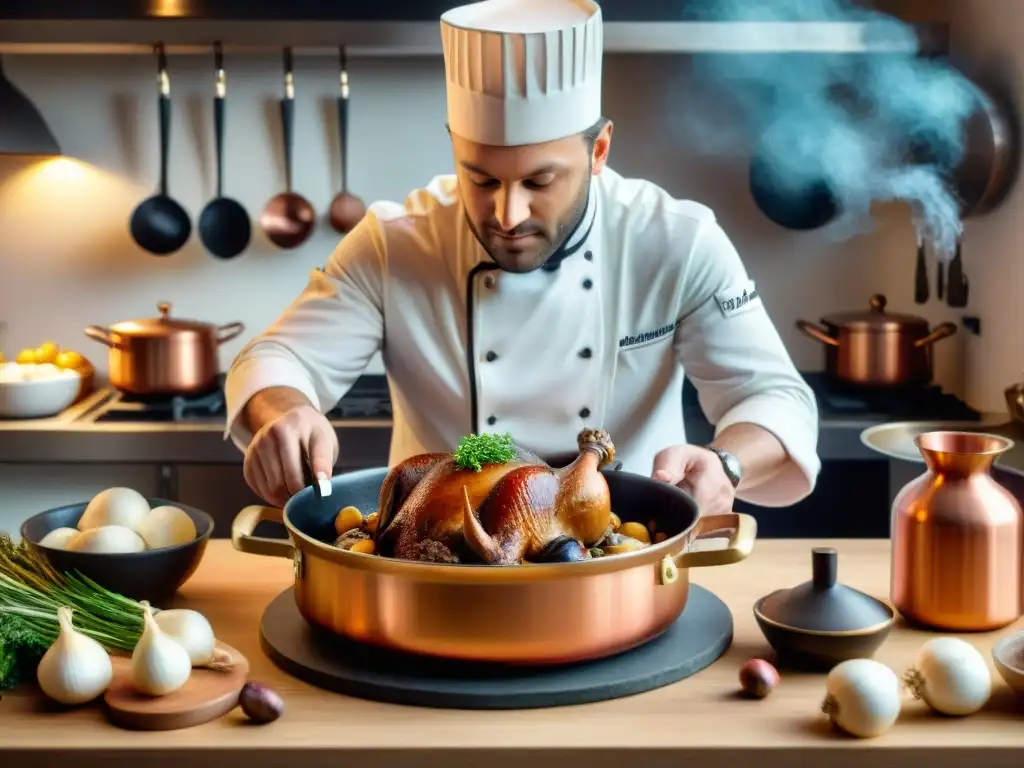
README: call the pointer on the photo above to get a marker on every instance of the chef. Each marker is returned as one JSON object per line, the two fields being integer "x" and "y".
{"x": 534, "y": 292}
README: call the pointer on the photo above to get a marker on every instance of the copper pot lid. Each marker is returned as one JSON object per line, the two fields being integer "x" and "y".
{"x": 162, "y": 326}
{"x": 822, "y": 604}
{"x": 876, "y": 319}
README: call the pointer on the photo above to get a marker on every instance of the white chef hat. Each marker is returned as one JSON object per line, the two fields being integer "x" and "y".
{"x": 522, "y": 71}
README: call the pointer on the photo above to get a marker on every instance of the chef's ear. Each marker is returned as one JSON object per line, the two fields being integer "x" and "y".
{"x": 601, "y": 147}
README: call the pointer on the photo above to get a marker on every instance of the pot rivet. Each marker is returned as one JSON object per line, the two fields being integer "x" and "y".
{"x": 297, "y": 563}
{"x": 669, "y": 572}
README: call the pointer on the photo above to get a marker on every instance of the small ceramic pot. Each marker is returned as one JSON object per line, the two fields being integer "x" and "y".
{"x": 820, "y": 623}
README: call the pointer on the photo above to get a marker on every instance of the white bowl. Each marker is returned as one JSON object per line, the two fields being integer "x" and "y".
{"x": 35, "y": 392}
{"x": 1008, "y": 655}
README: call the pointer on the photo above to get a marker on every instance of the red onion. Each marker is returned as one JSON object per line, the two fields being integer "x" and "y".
{"x": 758, "y": 678}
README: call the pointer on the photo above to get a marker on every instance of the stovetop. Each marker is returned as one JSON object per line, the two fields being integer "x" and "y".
{"x": 838, "y": 401}
{"x": 369, "y": 398}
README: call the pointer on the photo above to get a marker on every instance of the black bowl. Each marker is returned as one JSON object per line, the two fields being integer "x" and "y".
{"x": 819, "y": 651}
{"x": 153, "y": 575}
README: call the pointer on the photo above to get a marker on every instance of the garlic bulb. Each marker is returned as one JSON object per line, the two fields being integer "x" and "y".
{"x": 166, "y": 527}
{"x": 76, "y": 668}
{"x": 108, "y": 540}
{"x": 58, "y": 538}
{"x": 193, "y": 632}
{"x": 159, "y": 664}
{"x": 114, "y": 506}
{"x": 863, "y": 697}
{"x": 951, "y": 676}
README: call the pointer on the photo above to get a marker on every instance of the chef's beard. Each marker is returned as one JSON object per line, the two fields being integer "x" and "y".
{"x": 527, "y": 258}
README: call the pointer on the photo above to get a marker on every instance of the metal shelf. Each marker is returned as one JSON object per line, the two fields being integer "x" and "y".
{"x": 412, "y": 38}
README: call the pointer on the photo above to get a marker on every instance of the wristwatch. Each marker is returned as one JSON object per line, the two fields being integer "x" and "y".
{"x": 731, "y": 465}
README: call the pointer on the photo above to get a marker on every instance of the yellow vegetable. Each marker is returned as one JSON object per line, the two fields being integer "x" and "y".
{"x": 70, "y": 360}
{"x": 364, "y": 547}
{"x": 616, "y": 522}
{"x": 370, "y": 523}
{"x": 47, "y": 352}
{"x": 347, "y": 519}
{"x": 635, "y": 531}
{"x": 624, "y": 545}
{"x": 26, "y": 356}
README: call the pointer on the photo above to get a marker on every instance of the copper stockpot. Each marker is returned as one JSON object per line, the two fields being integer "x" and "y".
{"x": 164, "y": 356}
{"x": 958, "y": 538}
{"x": 520, "y": 614}
{"x": 877, "y": 348}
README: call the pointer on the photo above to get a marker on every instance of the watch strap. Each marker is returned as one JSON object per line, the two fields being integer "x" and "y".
{"x": 730, "y": 464}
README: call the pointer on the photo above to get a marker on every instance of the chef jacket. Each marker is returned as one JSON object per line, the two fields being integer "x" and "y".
{"x": 646, "y": 289}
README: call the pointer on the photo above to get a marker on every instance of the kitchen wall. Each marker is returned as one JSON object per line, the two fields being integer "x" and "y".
{"x": 66, "y": 259}
{"x": 994, "y": 244}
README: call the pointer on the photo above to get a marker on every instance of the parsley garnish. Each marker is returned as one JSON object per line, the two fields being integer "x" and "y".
{"x": 476, "y": 450}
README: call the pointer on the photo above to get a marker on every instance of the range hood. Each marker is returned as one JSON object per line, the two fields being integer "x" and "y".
{"x": 397, "y": 27}
{"x": 23, "y": 131}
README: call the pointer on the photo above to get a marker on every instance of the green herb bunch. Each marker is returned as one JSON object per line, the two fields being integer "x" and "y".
{"x": 476, "y": 450}
{"x": 31, "y": 591}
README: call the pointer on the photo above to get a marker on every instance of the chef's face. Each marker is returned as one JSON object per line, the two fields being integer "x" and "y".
{"x": 523, "y": 202}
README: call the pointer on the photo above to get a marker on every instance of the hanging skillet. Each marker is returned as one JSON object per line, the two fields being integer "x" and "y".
{"x": 159, "y": 224}
{"x": 224, "y": 224}
{"x": 790, "y": 187}
{"x": 288, "y": 218}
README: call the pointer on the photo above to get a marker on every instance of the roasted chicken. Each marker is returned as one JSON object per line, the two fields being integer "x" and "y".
{"x": 435, "y": 508}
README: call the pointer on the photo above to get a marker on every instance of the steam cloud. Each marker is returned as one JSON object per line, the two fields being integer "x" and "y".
{"x": 872, "y": 126}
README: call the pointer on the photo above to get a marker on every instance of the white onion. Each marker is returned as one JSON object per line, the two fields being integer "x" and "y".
{"x": 166, "y": 527}
{"x": 951, "y": 676}
{"x": 863, "y": 697}
{"x": 108, "y": 540}
{"x": 115, "y": 506}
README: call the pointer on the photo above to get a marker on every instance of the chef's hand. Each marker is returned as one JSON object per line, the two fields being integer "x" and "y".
{"x": 699, "y": 472}
{"x": 273, "y": 465}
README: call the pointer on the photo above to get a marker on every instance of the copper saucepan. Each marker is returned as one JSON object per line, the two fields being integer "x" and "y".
{"x": 877, "y": 348}
{"x": 288, "y": 218}
{"x": 164, "y": 356}
{"x": 521, "y": 614}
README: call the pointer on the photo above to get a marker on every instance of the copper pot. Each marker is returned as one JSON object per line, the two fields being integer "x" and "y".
{"x": 957, "y": 538}
{"x": 164, "y": 356}
{"x": 521, "y": 614}
{"x": 877, "y": 348}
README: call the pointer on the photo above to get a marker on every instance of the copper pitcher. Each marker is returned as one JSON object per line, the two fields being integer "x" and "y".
{"x": 957, "y": 538}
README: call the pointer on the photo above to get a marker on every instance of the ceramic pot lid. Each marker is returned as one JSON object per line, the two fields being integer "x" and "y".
{"x": 822, "y": 604}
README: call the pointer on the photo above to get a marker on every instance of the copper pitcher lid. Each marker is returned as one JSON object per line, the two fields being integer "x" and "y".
{"x": 164, "y": 325}
{"x": 876, "y": 318}
{"x": 822, "y": 604}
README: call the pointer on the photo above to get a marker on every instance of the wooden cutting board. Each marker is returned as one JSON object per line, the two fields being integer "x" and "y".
{"x": 206, "y": 696}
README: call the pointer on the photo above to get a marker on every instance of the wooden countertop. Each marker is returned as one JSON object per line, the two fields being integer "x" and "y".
{"x": 698, "y": 722}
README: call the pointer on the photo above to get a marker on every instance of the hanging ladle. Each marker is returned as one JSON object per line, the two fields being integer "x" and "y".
{"x": 224, "y": 224}
{"x": 346, "y": 208}
{"x": 288, "y": 218}
{"x": 159, "y": 224}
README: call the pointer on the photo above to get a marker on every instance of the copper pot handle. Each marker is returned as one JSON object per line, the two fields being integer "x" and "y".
{"x": 941, "y": 332}
{"x": 101, "y": 334}
{"x": 225, "y": 333}
{"x": 743, "y": 532}
{"x": 245, "y": 523}
{"x": 816, "y": 332}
